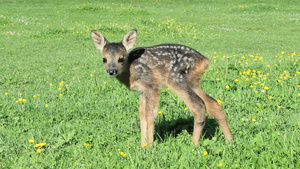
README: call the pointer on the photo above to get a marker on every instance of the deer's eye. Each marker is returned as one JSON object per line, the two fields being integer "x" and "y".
{"x": 121, "y": 60}
{"x": 104, "y": 60}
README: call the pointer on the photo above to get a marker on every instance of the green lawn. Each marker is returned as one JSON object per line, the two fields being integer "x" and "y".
{"x": 54, "y": 90}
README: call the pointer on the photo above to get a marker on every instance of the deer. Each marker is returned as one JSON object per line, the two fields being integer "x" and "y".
{"x": 148, "y": 69}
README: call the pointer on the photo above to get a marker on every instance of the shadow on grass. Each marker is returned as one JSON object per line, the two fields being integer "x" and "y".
{"x": 173, "y": 128}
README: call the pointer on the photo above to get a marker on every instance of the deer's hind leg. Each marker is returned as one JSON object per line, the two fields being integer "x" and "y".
{"x": 214, "y": 109}
{"x": 194, "y": 102}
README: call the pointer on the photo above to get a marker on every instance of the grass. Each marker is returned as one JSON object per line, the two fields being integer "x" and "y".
{"x": 53, "y": 88}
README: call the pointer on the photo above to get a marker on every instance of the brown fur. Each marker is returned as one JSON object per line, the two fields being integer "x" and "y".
{"x": 147, "y": 69}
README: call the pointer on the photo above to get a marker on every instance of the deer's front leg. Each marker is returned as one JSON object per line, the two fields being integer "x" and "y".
{"x": 147, "y": 113}
{"x": 143, "y": 120}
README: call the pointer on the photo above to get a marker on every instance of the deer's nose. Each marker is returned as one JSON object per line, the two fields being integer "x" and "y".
{"x": 112, "y": 72}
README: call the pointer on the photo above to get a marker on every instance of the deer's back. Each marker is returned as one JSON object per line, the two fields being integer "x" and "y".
{"x": 160, "y": 63}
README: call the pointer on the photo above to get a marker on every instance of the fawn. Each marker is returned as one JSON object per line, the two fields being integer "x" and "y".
{"x": 147, "y": 69}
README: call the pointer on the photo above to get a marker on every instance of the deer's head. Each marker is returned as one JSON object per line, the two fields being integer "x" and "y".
{"x": 114, "y": 54}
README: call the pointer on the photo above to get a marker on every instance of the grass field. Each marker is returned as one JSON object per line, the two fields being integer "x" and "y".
{"x": 59, "y": 109}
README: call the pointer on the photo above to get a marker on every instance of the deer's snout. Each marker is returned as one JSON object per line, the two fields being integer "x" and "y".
{"x": 112, "y": 72}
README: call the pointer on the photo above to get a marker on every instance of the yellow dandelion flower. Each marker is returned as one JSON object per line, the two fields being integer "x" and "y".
{"x": 214, "y": 138}
{"x": 186, "y": 108}
{"x": 20, "y": 94}
{"x": 6, "y": 93}
{"x": 236, "y": 80}
{"x": 61, "y": 83}
{"x": 298, "y": 94}
{"x": 205, "y": 153}
{"x": 242, "y": 118}
{"x": 278, "y": 107}
{"x": 38, "y": 150}
{"x": 266, "y": 88}
{"x": 119, "y": 149}
{"x": 59, "y": 88}
{"x": 91, "y": 75}
{"x": 220, "y": 165}
{"x": 160, "y": 112}
{"x": 247, "y": 79}
{"x": 17, "y": 101}
{"x": 50, "y": 84}
{"x": 46, "y": 105}
{"x": 145, "y": 145}
{"x": 40, "y": 145}
{"x": 86, "y": 144}
{"x": 254, "y": 120}
{"x": 270, "y": 97}
{"x": 30, "y": 141}
{"x": 104, "y": 83}
{"x": 217, "y": 79}
{"x": 278, "y": 81}
{"x": 60, "y": 94}
{"x": 219, "y": 102}
{"x": 251, "y": 86}
{"x": 168, "y": 88}
{"x": 227, "y": 87}
{"x": 122, "y": 153}
{"x": 34, "y": 96}
{"x": 24, "y": 100}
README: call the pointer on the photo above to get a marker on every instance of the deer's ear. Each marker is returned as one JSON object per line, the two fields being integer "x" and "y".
{"x": 99, "y": 40}
{"x": 129, "y": 39}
